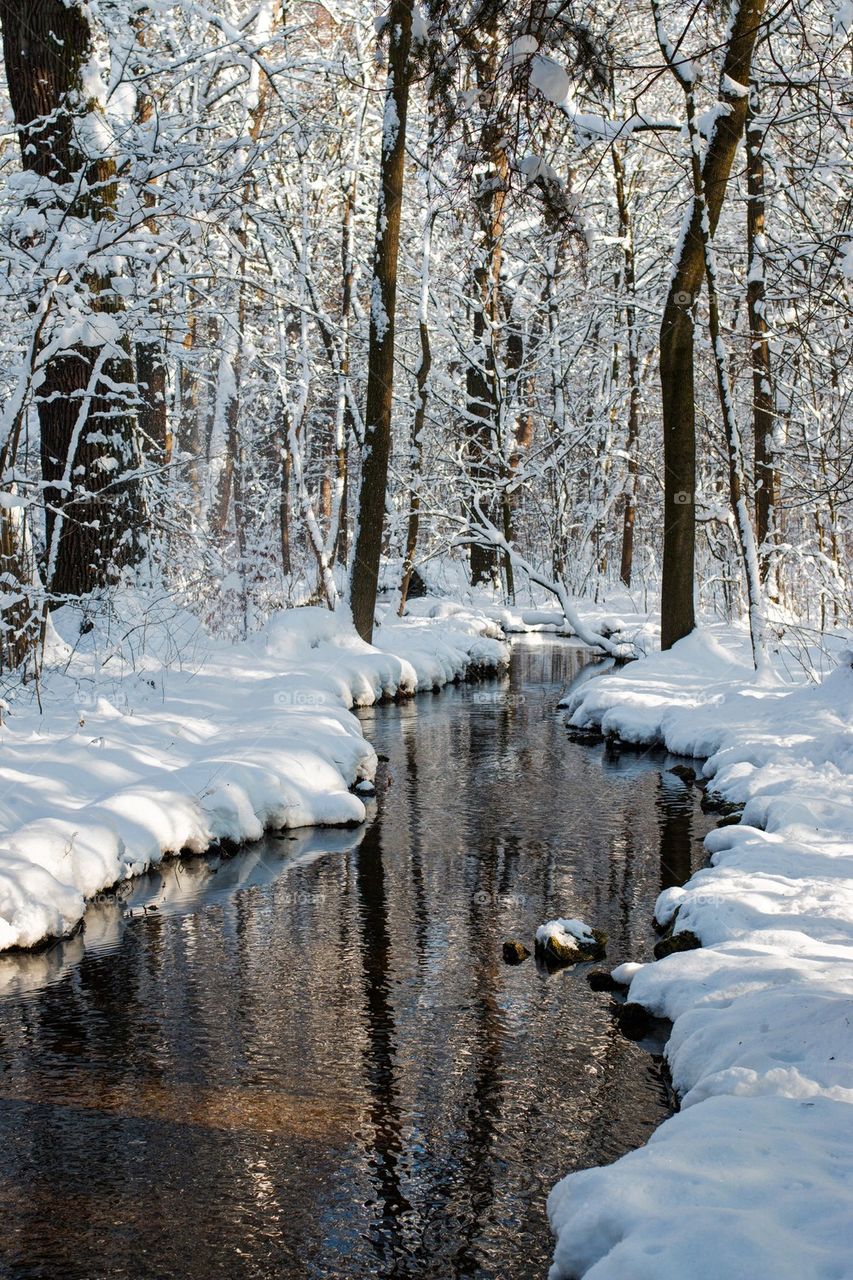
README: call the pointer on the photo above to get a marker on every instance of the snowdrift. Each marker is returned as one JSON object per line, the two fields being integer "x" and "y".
{"x": 119, "y": 771}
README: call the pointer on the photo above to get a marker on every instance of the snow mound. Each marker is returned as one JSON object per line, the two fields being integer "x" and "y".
{"x": 754, "y": 1187}
{"x": 564, "y": 932}
{"x": 119, "y": 772}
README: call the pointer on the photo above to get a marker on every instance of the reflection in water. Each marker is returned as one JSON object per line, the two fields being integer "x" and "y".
{"x": 309, "y": 1061}
{"x": 675, "y": 805}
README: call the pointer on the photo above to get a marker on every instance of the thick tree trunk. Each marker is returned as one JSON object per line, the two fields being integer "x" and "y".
{"x": 677, "y": 336}
{"x": 87, "y": 429}
{"x": 380, "y": 375}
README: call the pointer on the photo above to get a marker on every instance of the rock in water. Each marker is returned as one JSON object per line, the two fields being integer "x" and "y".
{"x": 634, "y": 1020}
{"x": 561, "y": 942}
{"x": 685, "y": 773}
{"x": 514, "y": 952}
{"x": 601, "y": 980}
{"x": 684, "y": 941}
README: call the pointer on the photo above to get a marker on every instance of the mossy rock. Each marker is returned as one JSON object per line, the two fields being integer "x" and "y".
{"x": 514, "y": 952}
{"x": 576, "y": 951}
{"x": 686, "y": 940}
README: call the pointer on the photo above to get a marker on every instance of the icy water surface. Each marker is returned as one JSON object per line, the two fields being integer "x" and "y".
{"x": 310, "y": 1060}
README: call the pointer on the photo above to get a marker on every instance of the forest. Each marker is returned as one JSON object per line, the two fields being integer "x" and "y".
{"x": 548, "y": 289}
{"x": 358, "y": 352}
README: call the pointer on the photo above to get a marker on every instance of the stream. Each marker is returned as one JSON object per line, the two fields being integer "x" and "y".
{"x": 310, "y": 1061}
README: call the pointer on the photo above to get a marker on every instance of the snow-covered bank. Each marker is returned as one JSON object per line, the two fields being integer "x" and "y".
{"x": 617, "y": 617}
{"x": 117, "y": 772}
{"x": 754, "y": 1177}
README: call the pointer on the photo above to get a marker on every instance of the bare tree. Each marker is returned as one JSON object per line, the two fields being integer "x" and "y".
{"x": 383, "y": 303}
{"x": 678, "y": 324}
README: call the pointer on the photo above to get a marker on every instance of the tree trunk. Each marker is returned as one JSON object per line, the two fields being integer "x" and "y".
{"x": 422, "y": 379}
{"x": 87, "y": 430}
{"x": 343, "y": 413}
{"x": 380, "y": 374}
{"x": 151, "y": 372}
{"x": 413, "y": 525}
{"x": 740, "y": 511}
{"x": 284, "y": 507}
{"x": 763, "y": 406}
{"x": 481, "y": 379}
{"x": 629, "y": 508}
{"x": 677, "y": 327}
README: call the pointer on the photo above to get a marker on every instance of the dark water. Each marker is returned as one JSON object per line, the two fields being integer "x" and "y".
{"x": 310, "y": 1061}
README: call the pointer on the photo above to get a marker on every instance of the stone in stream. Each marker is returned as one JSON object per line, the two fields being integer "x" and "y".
{"x": 635, "y": 1021}
{"x": 562, "y": 942}
{"x": 686, "y": 940}
{"x": 712, "y": 803}
{"x": 514, "y": 952}
{"x": 602, "y": 980}
{"x": 685, "y": 773}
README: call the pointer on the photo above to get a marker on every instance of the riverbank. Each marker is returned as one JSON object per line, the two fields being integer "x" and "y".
{"x": 142, "y": 749}
{"x": 316, "y": 1034}
{"x": 754, "y": 1176}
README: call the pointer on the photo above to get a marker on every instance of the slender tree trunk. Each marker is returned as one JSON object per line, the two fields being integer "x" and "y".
{"x": 677, "y": 327}
{"x": 380, "y": 374}
{"x": 763, "y": 403}
{"x": 189, "y": 422}
{"x": 151, "y": 372}
{"x": 740, "y": 511}
{"x": 231, "y": 364}
{"x": 422, "y": 379}
{"x": 343, "y": 413}
{"x": 629, "y": 509}
{"x": 284, "y": 506}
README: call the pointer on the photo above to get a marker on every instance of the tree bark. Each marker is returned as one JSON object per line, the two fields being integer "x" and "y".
{"x": 380, "y": 375}
{"x": 91, "y": 507}
{"x": 629, "y": 508}
{"x": 482, "y": 400}
{"x": 677, "y": 327}
{"x": 763, "y": 403}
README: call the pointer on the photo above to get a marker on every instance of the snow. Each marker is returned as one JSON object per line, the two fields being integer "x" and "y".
{"x": 563, "y": 931}
{"x": 221, "y": 745}
{"x": 727, "y": 1190}
{"x": 843, "y": 18}
{"x": 755, "y": 1175}
{"x": 550, "y": 78}
{"x": 520, "y": 50}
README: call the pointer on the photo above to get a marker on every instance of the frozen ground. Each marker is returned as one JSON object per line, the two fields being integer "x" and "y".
{"x": 154, "y": 739}
{"x": 754, "y": 1177}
